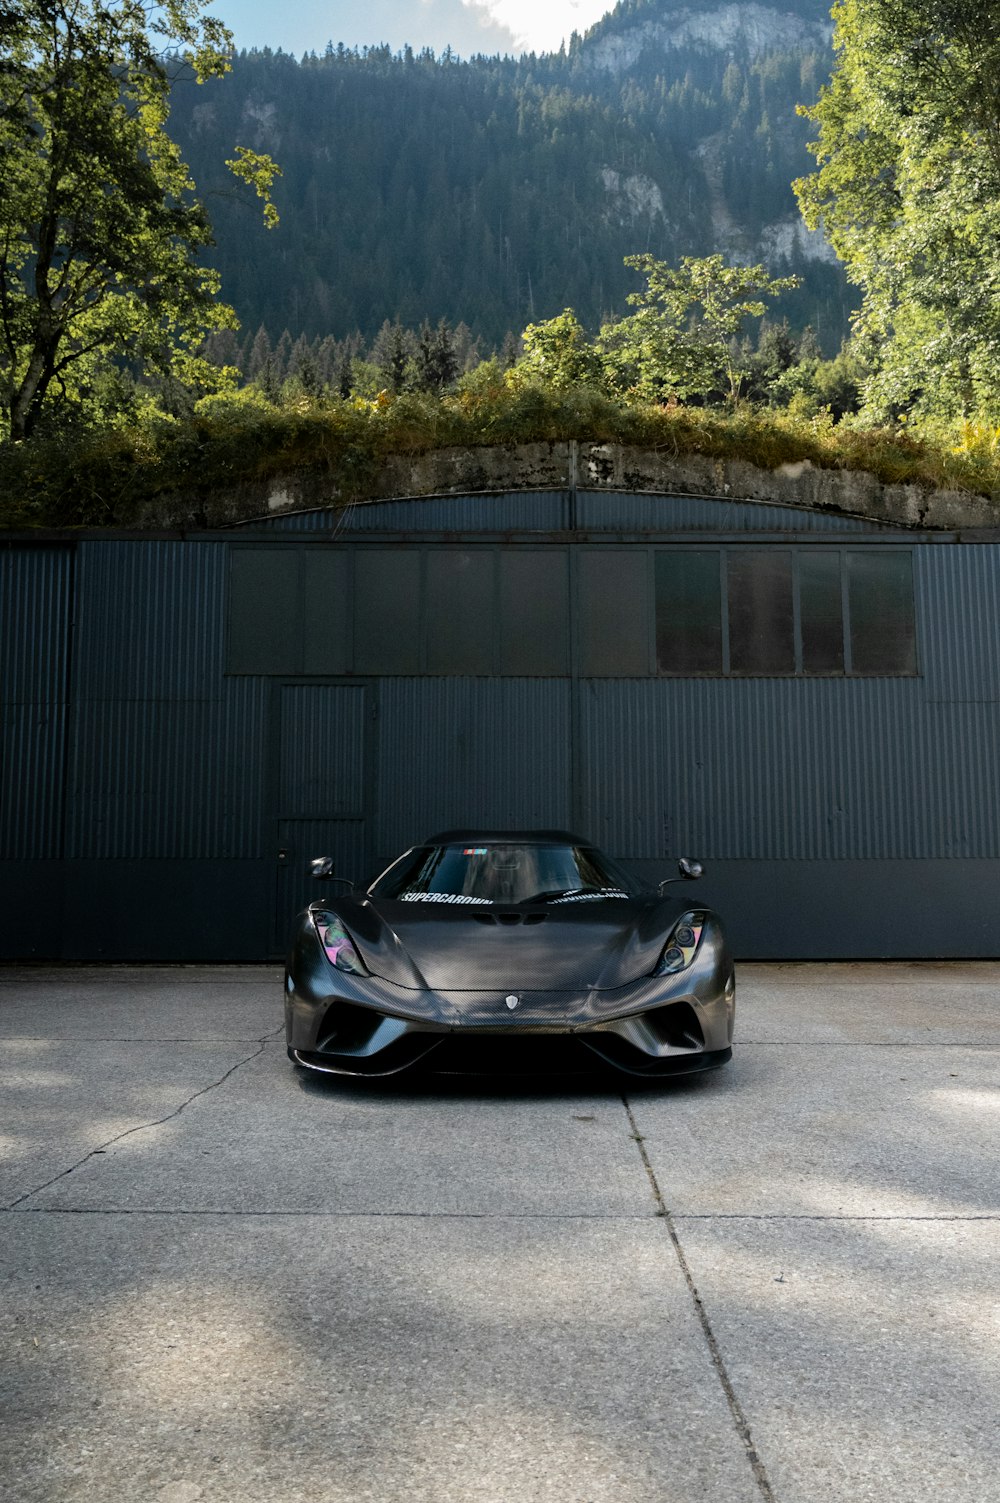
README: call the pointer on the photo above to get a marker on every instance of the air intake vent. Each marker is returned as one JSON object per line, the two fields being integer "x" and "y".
{"x": 509, "y": 919}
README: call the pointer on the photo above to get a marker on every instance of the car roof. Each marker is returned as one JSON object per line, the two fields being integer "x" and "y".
{"x": 506, "y": 837}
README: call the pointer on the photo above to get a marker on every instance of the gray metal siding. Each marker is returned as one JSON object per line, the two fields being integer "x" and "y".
{"x": 322, "y": 746}
{"x": 149, "y": 621}
{"x": 160, "y": 779}
{"x": 600, "y": 511}
{"x": 779, "y": 770}
{"x": 32, "y": 763}
{"x": 488, "y": 752}
{"x": 126, "y": 749}
{"x": 555, "y": 511}
{"x": 35, "y": 595}
{"x": 35, "y": 634}
{"x": 168, "y": 758}
{"x": 958, "y": 620}
{"x": 516, "y": 511}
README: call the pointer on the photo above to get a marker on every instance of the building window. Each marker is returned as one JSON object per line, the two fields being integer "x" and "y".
{"x": 773, "y": 612}
{"x": 406, "y": 611}
{"x": 740, "y": 611}
{"x": 821, "y": 613}
{"x": 880, "y": 596}
{"x": 689, "y": 612}
{"x": 761, "y": 616}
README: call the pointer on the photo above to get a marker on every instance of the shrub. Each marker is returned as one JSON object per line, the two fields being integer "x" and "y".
{"x": 103, "y": 476}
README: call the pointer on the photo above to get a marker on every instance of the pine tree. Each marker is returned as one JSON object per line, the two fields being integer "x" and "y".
{"x": 261, "y": 354}
{"x": 326, "y": 361}
{"x": 468, "y": 350}
{"x": 282, "y": 355}
{"x": 436, "y": 358}
{"x": 222, "y": 348}
{"x": 509, "y": 351}
{"x": 393, "y": 353}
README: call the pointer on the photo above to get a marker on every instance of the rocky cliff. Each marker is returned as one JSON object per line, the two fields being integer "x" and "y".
{"x": 750, "y": 30}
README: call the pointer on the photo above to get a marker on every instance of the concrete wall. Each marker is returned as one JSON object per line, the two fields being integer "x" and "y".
{"x": 611, "y": 467}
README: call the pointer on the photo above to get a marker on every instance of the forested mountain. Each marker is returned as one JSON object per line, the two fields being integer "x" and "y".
{"x": 498, "y": 191}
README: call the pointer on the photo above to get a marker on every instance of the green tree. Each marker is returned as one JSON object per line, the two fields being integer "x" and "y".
{"x": 303, "y": 367}
{"x": 775, "y": 355}
{"x": 559, "y": 353}
{"x": 907, "y": 189}
{"x": 683, "y": 339}
{"x": 393, "y": 353}
{"x": 100, "y": 234}
{"x": 259, "y": 354}
{"x": 436, "y": 357}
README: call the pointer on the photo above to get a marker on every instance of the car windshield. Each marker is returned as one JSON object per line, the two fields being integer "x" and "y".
{"x": 499, "y": 874}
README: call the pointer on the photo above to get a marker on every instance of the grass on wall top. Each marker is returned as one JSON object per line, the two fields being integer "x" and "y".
{"x": 107, "y": 477}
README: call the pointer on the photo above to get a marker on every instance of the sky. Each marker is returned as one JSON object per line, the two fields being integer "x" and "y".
{"x": 468, "y": 26}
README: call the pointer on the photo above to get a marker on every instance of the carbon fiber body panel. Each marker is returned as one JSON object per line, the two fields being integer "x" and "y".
{"x": 360, "y": 1022}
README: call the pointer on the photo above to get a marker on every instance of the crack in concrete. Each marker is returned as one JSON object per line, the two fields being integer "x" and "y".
{"x": 27, "y": 1038}
{"x": 17, "y": 1209}
{"x": 634, "y": 1216}
{"x": 740, "y": 1420}
{"x": 140, "y": 1127}
{"x": 815, "y": 1216}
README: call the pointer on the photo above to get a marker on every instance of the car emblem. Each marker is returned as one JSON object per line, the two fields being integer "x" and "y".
{"x": 512, "y": 1001}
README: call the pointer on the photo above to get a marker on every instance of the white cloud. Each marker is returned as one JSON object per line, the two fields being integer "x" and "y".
{"x": 465, "y": 25}
{"x": 540, "y": 25}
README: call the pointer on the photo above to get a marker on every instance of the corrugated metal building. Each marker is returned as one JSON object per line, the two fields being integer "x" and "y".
{"x": 809, "y": 703}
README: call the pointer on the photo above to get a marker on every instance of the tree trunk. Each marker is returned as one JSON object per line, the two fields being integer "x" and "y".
{"x": 28, "y": 398}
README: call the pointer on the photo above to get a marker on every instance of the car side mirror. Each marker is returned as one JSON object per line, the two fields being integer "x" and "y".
{"x": 322, "y": 870}
{"x": 689, "y": 870}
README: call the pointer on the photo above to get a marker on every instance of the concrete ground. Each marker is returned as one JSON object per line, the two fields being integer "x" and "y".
{"x": 222, "y": 1281}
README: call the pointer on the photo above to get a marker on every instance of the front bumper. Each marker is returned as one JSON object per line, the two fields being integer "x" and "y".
{"x": 586, "y": 1058}
{"x": 342, "y": 1024}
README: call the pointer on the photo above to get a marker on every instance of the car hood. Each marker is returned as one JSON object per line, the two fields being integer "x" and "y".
{"x": 599, "y": 944}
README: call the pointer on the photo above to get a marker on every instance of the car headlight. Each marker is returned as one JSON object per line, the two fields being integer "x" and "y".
{"x": 681, "y": 946}
{"x": 338, "y": 944}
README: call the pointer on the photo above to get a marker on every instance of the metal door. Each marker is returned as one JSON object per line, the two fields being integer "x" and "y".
{"x": 323, "y": 782}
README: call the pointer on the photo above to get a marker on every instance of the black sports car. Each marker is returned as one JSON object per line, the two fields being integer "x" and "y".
{"x": 476, "y": 942}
